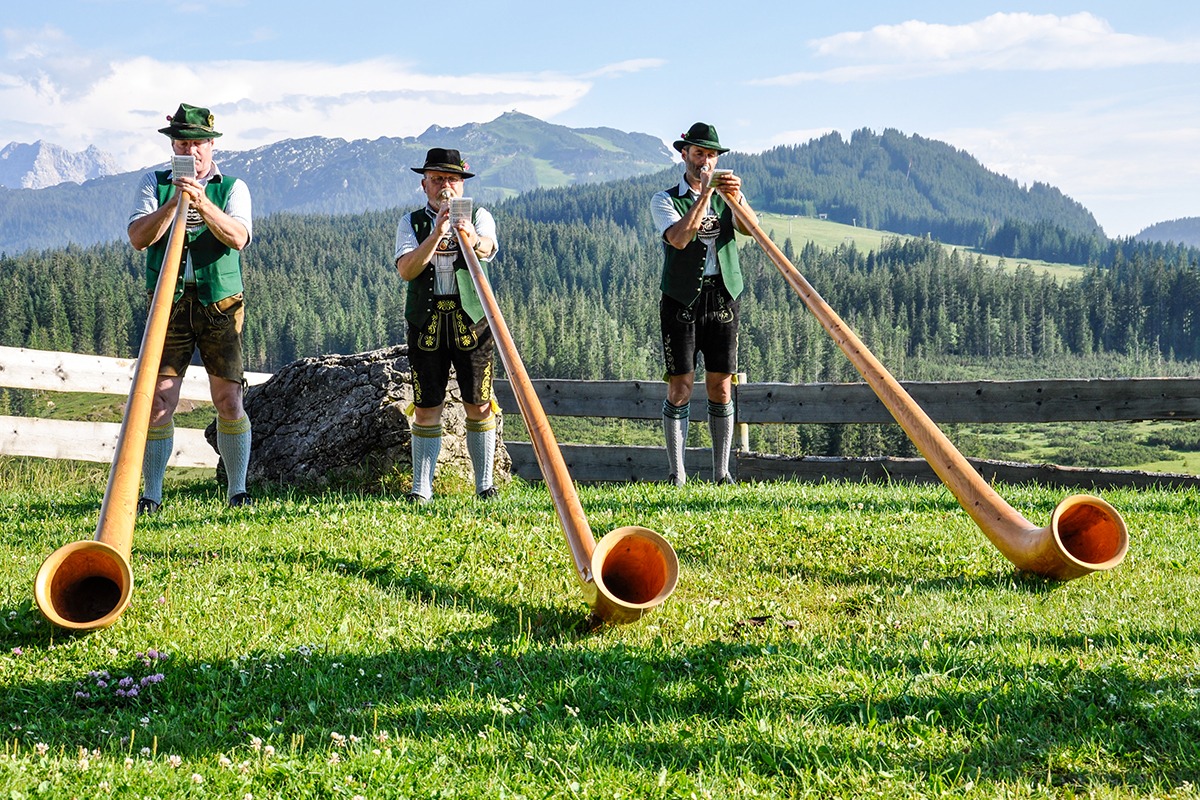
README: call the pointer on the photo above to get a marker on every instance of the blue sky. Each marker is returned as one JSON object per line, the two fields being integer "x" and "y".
{"x": 1100, "y": 99}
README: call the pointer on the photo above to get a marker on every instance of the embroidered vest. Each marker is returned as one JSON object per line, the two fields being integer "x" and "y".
{"x": 218, "y": 267}
{"x": 683, "y": 270}
{"x": 418, "y": 305}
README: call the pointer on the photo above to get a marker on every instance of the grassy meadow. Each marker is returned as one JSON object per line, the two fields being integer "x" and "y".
{"x": 828, "y": 235}
{"x": 832, "y": 640}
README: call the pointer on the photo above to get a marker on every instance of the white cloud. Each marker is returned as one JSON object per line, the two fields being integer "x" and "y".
{"x": 1126, "y": 162}
{"x": 1003, "y": 41}
{"x": 627, "y": 67}
{"x": 48, "y": 92}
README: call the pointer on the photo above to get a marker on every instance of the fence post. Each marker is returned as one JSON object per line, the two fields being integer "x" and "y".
{"x": 742, "y": 429}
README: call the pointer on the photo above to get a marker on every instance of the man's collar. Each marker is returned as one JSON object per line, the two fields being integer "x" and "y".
{"x": 685, "y": 187}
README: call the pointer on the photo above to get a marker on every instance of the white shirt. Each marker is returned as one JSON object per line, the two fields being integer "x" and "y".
{"x": 406, "y": 238}
{"x": 237, "y": 205}
{"x": 662, "y": 209}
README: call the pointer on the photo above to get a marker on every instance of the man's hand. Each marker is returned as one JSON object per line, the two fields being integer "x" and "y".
{"x": 470, "y": 237}
{"x": 192, "y": 188}
{"x": 730, "y": 186}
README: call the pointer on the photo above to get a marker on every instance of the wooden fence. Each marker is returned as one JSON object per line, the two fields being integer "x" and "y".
{"x": 1126, "y": 399}
{"x": 757, "y": 404}
{"x": 21, "y": 368}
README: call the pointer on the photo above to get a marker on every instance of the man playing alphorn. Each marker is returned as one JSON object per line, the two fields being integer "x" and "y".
{"x": 208, "y": 311}
{"x": 446, "y": 322}
{"x": 701, "y": 283}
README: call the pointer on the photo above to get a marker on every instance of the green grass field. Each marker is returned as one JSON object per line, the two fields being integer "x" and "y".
{"x": 824, "y": 641}
{"x": 827, "y": 234}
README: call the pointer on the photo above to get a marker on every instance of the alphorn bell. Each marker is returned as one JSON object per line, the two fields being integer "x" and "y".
{"x": 1085, "y": 533}
{"x": 632, "y": 569}
{"x": 86, "y": 585}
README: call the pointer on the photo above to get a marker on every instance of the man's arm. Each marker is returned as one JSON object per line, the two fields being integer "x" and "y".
{"x": 148, "y": 228}
{"x": 412, "y": 260}
{"x": 481, "y": 235}
{"x": 149, "y": 221}
{"x": 229, "y": 231}
{"x": 681, "y": 234}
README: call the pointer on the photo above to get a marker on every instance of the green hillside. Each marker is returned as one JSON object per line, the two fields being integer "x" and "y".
{"x": 829, "y": 235}
{"x": 887, "y": 181}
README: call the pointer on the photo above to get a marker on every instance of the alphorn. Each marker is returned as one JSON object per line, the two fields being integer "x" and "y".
{"x": 87, "y": 585}
{"x": 1085, "y": 533}
{"x": 632, "y": 569}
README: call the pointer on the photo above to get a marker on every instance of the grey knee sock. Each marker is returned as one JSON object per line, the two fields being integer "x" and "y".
{"x": 675, "y": 428}
{"x": 720, "y": 424}
{"x": 426, "y": 445}
{"x": 481, "y": 445}
{"x": 160, "y": 443}
{"x": 233, "y": 443}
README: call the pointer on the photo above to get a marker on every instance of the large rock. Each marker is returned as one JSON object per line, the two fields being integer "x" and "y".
{"x": 339, "y": 420}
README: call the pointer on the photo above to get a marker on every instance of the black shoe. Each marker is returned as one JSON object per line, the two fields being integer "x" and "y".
{"x": 241, "y": 499}
{"x": 489, "y": 493}
{"x": 416, "y": 499}
{"x": 674, "y": 480}
{"x": 725, "y": 480}
{"x": 147, "y": 506}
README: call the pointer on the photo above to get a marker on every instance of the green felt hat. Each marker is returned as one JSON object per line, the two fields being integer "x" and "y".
{"x": 702, "y": 135}
{"x": 190, "y": 122}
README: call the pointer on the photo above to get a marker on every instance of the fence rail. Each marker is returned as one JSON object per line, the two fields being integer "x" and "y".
{"x": 1059, "y": 400}
{"x": 1070, "y": 400}
{"x": 22, "y": 368}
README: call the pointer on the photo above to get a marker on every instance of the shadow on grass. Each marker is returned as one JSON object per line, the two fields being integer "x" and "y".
{"x": 747, "y": 699}
{"x": 682, "y": 709}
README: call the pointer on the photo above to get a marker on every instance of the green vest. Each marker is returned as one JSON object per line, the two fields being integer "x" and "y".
{"x": 418, "y": 306}
{"x": 218, "y": 267}
{"x": 683, "y": 270}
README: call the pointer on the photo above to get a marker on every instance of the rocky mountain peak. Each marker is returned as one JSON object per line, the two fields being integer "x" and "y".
{"x": 42, "y": 164}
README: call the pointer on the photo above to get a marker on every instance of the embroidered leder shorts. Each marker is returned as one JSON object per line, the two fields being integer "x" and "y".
{"x": 448, "y": 339}
{"x": 708, "y": 326}
{"x": 215, "y": 329}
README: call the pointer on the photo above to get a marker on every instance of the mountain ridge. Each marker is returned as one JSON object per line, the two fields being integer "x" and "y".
{"x": 888, "y": 181}
{"x": 511, "y": 154}
{"x": 1185, "y": 231}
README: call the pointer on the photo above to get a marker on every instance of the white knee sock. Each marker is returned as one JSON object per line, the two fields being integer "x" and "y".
{"x": 426, "y": 445}
{"x": 233, "y": 443}
{"x": 720, "y": 424}
{"x": 481, "y": 445}
{"x": 675, "y": 428}
{"x": 160, "y": 443}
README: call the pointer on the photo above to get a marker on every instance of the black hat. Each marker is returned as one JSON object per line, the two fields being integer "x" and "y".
{"x": 702, "y": 135}
{"x": 190, "y": 122}
{"x": 439, "y": 159}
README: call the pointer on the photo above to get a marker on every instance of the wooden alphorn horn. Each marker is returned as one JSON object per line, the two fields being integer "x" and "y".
{"x": 632, "y": 569}
{"x": 1085, "y": 533}
{"x": 86, "y": 585}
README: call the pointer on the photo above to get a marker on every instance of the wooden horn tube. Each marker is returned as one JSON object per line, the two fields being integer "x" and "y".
{"x": 1085, "y": 533}
{"x": 632, "y": 569}
{"x": 87, "y": 585}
